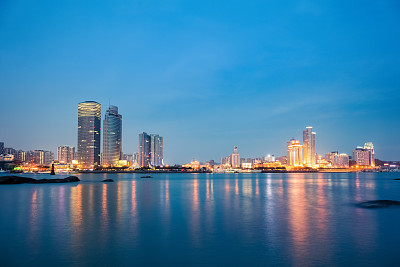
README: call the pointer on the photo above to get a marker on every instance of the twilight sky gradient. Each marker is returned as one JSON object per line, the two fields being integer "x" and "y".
{"x": 206, "y": 75}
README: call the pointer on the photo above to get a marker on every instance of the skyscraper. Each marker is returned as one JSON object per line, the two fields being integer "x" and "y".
{"x": 150, "y": 150}
{"x": 144, "y": 149}
{"x": 309, "y": 156}
{"x": 1, "y": 147}
{"x": 112, "y": 136}
{"x": 89, "y": 124}
{"x": 156, "y": 150}
{"x": 370, "y": 148}
{"x": 65, "y": 154}
{"x": 235, "y": 158}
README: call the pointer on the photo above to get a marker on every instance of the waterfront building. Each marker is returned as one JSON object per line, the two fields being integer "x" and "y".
{"x": 294, "y": 153}
{"x": 247, "y": 165}
{"x": 361, "y": 156}
{"x": 282, "y": 160}
{"x": 342, "y": 161}
{"x": 6, "y": 157}
{"x": 89, "y": 124}
{"x": 112, "y": 137}
{"x": 235, "y": 158}
{"x": 65, "y": 154}
{"x": 337, "y": 160}
{"x": 309, "y": 155}
{"x": 226, "y": 161}
{"x": 269, "y": 158}
{"x": 144, "y": 149}
{"x": 150, "y": 150}
{"x": 20, "y": 155}
{"x": 1, "y": 147}
{"x": 156, "y": 150}
{"x": 39, "y": 157}
{"x": 370, "y": 148}
{"x": 9, "y": 151}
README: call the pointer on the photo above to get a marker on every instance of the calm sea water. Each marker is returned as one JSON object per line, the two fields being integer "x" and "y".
{"x": 202, "y": 219}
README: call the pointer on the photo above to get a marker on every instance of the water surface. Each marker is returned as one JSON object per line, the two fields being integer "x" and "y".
{"x": 202, "y": 219}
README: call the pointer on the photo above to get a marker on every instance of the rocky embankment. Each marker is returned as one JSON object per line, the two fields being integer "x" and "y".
{"x": 11, "y": 179}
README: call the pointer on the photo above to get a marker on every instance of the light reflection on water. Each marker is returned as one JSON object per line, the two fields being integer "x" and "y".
{"x": 213, "y": 219}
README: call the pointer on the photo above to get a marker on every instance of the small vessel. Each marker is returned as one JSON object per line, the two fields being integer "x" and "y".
{"x": 147, "y": 176}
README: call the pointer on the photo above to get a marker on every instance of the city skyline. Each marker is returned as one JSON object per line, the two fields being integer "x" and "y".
{"x": 204, "y": 76}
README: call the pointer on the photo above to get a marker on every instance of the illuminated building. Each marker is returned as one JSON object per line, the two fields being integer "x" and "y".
{"x": 269, "y": 158}
{"x": 144, "y": 149}
{"x": 342, "y": 161}
{"x": 20, "y": 155}
{"x": 89, "y": 124}
{"x": 150, "y": 150}
{"x": 226, "y": 161}
{"x": 294, "y": 153}
{"x": 65, "y": 154}
{"x": 247, "y": 165}
{"x": 283, "y": 160}
{"x": 112, "y": 137}
{"x": 39, "y": 157}
{"x": 235, "y": 158}
{"x": 337, "y": 160}
{"x": 309, "y": 156}
{"x": 361, "y": 156}
{"x": 370, "y": 148}
{"x": 156, "y": 150}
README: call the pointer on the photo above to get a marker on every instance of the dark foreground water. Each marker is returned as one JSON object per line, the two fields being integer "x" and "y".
{"x": 202, "y": 219}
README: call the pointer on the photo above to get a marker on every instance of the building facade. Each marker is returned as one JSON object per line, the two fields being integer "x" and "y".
{"x": 294, "y": 153}
{"x": 144, "y": 149}
{"x": 235, "y": 158}
{"x": 65, "y": 154}
{"x": 89, "y": 125}
{"x": 156, "y": 150}
{"x": 361, "y": 156}
{"x": 309, "y": 155}
{"x": 151, "y": 149}
{"x": 112, "y": 137}
{"x": 370, "y": 148}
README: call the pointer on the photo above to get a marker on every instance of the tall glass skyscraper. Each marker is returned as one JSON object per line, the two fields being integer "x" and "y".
{"x": 89, "y": 124}
{"x": 156, "y": 150}
{"x": 112, "y": 136}
{"x": 309, "y": 156}
{"x": 150, "y": 150}
{"x": 144, "y": 149}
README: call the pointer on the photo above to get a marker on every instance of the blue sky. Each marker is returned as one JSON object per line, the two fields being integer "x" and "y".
{"x": 206, "y": 75}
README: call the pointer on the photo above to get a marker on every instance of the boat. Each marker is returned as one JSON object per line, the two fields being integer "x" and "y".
{"x": 147, "y": 176}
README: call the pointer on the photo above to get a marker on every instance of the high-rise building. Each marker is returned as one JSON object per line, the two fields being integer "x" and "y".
{"x": 1, "y": 147}
{"x": 235, "y": 158}
{"x": 150, "y": 150}
{"x": 361, "y": 156}
{"x": 294, "y": 153}
{"x": 20, "y": 155}
{"x": 65, "y": 154}
{"x": 112, "y": 137}
{"x": 156, "y": 150}
{"x": 144, "y": 149}
{"x": 309, "y": 155}
{"x": 89, "y": 125}
{"x": 370, "y": 148}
